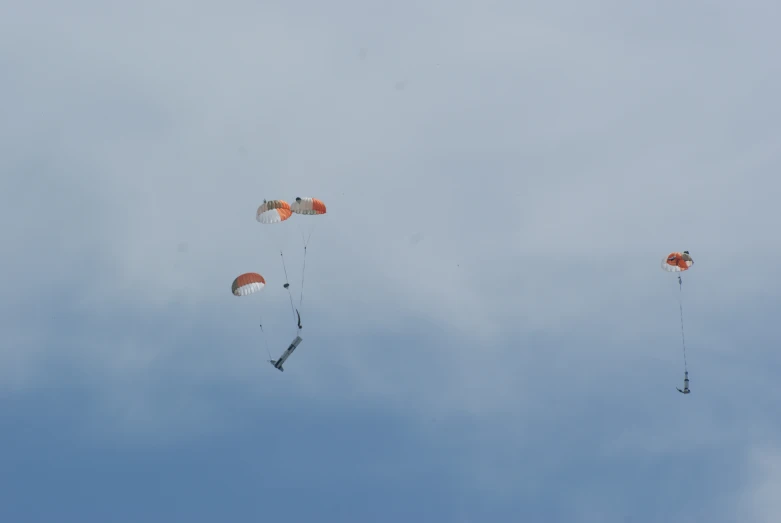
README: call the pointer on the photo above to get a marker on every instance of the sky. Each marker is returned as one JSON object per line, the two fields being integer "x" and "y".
{"x": 488, "y": 334}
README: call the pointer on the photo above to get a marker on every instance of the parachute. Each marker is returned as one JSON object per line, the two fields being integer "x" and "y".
{"x": 679, "y": 262}
{"x": 248, "y": 283}
{"x": 273, "y": 211}
{"x": 308, "y": 206}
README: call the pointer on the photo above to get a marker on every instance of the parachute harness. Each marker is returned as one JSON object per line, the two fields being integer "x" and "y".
{"x": 680, "y": 307}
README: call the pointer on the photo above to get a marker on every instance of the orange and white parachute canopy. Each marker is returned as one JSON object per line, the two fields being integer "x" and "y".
{"x": 273, "y": 211}
{"x": 311, "y": 206}
{"x": 677, "y": 262}
{"x": 248, "y": 283}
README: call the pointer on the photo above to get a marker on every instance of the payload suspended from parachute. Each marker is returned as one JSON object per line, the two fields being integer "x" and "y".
{"x": 285, "y": 355}
{"x": 678, "y": 262}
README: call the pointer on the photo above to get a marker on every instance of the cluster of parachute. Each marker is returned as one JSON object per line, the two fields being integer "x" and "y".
{"x": 276, "y": 211}
{"x": 272, "y": 212}
{"x": 679, "y": 262}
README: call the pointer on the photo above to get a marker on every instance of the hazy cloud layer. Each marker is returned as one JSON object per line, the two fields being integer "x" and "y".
{"x": 488, "y": 334}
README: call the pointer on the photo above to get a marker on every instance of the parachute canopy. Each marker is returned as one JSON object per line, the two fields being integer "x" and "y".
{"x": 308, "y": 206}
{"x": 248, "y": 283}
{"x": 677, "y": 262}
{"x": 273, "y": 211}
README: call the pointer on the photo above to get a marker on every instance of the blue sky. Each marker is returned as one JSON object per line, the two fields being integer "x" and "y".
{"x": 488, "y": 335}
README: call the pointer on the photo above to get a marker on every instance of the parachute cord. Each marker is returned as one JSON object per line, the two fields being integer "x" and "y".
{"x": 292, "y": 308}
{"x": 310, "y": 235}
{"x": 303, "y": 270}
{"x": 268, "y": 350}
{"x": 683, "y": 337}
